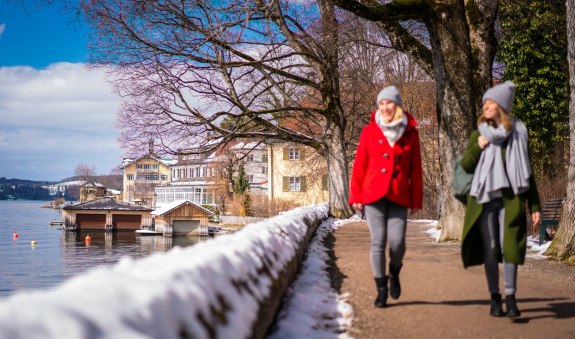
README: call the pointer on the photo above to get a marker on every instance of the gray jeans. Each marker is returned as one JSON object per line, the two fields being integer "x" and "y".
{"x": 386, "y": 221}
{"x": 491, "y": 228}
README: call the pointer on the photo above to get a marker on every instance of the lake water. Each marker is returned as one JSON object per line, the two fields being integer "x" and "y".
{"x": 58, "y": 255}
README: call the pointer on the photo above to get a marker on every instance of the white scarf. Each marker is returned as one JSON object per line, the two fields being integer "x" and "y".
{"x": 491, "y": 174}
{"x": 393, "y": 130}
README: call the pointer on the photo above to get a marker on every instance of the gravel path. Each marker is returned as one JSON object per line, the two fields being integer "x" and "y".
{"x": 441, "y": 299}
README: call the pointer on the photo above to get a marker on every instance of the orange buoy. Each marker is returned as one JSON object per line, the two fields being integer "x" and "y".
{"x": 88, "y": 238}
{"x": 15, "y": 235}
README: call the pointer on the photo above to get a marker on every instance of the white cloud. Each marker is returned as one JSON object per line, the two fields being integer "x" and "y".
{"x": 55, "y": 118}
{"x": 2, "y": 29}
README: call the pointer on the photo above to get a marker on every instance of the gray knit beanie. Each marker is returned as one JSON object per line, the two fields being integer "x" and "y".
{"x": 502, "y": 94}
{"x": 389, "y": 93}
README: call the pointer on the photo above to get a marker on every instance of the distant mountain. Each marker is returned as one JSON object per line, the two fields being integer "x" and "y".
{"x": 21, "y": 189}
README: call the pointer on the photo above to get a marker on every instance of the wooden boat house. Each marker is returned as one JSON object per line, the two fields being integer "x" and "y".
{"x": 181, "y": 217}
{"x": 106, "y": 214}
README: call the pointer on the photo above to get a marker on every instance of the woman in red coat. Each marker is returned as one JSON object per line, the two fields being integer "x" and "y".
{"x": 386, "y": 182}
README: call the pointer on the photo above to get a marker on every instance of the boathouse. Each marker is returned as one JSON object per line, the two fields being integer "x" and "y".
{"x": 181, "y": 217}
{"x": 106, "y": 214}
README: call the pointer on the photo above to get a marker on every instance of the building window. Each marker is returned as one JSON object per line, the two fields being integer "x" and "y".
{"x": 264, "y": 170}
{"x": 250, "y": 178}
{"x": 293, "y": 154}
{"x": 250, "y": 157}
{"x": 264, "y": 157}
{"x": 293, "y": 184}
{"x": 131, "y": 177}
{"x": 147, "y": 166}
{"x": 139, "y": 166}
{"x": 204, "y": 172}
{"x": 164, "y": 177}
{"x": 155, "y": 166}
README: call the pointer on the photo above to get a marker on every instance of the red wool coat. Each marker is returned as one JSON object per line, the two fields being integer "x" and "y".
{"x": 382, "y": 171}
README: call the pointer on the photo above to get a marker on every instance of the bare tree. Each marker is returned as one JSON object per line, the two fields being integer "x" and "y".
{"x": 183, "y": 66}
{"x": 457, "y": 52}
{"x": 563, "y": 245}
{"x": 86, "y": 173}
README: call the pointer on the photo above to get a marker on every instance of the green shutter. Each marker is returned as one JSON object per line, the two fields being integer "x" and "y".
{"x": 324, "y": 182}
{"x": 301, "y": 154}
{"x": 302, "y": 184}
{"x": 286, "y": 153}
{"x": 285, "y": 184}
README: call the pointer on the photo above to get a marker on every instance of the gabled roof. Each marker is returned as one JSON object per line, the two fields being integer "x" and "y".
{"x": 107, "y": 203}
{"x": 176, "y": 204}
{"x": 166, "y": 162}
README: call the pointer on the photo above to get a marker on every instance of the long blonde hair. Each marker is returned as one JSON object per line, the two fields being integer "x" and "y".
{"x": 503, "y": 116}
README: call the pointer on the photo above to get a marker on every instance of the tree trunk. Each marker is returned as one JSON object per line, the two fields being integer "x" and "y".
{"x": 453, "y": 65}
{"x": 338, "y": 175}
{"x": 563, "y": 245}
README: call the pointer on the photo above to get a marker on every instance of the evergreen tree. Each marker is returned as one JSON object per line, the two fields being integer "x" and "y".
{"x": 534, "y": 49}
{"x": 241, "y": 185}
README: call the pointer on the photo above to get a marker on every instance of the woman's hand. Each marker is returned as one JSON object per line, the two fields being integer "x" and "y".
{"x": 536, "y": 217}
{"x": 357, "y": 206}
{"x": 482, "y": 141}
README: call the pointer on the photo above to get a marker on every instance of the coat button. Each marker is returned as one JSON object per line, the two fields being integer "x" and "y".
{"x": 380, "y": 142}
{"x": 385, "y": 155}
{"x": 383, "y": 170}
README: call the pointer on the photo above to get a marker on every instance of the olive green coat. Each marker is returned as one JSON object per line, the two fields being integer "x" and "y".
{"x": 515, "y": 221}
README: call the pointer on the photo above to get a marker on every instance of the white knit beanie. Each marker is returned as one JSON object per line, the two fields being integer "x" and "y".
{"x": 502, "y": 94}
{"x": 389, "y": 93}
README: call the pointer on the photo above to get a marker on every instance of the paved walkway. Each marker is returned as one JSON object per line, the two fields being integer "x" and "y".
{"x": 441, "y": 299}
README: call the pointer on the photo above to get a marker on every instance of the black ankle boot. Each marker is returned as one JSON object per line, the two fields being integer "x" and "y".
{"x": 512, "y": 310}
{"x": 394, "y": 286}
{"x": 381, "y": 299}
{"x": 496, "y": 310}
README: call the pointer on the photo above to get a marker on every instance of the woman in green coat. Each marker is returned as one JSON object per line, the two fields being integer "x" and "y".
{"x": 495, "y": 224}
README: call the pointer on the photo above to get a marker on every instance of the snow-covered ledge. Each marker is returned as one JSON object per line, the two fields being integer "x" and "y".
{"x": 229, "y": 287}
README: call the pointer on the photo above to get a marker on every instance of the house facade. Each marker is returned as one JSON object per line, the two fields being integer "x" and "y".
{"x": 193, "y": 179}
{"x": 296, "y": 173}
{"x": 142, "y": 175}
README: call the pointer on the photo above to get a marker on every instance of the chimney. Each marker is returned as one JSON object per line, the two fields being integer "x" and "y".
{"x": 151, "y": 147}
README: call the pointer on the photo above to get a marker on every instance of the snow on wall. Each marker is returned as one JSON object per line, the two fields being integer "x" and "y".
{"x": 216, "y": 289}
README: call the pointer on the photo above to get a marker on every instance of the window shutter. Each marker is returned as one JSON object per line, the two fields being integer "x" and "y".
{"x": 301, "y": 154}
{"x": 302, "y": 184}
{"x": 286, "y": 153}
{"x": 285, "y": 184}
{"x": 324, "y": 182}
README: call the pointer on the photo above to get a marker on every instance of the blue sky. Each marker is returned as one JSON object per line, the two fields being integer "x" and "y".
{"x": 54, "y": 113}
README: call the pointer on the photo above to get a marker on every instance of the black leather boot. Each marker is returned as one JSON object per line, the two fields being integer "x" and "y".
{"x": 394, "y": 286}
{"x": 381, "y": 299}
{"x": 496, "y": 310}
{"x": 512, "y": 310}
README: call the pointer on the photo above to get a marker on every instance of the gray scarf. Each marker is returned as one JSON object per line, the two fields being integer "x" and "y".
{"x": 393, "y": 130}
{"x": 491, "y": 174}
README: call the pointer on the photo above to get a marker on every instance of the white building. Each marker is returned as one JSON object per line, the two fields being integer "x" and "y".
{"x": 254, "y": 156}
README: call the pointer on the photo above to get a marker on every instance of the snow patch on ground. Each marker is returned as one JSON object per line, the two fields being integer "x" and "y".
{"x": 432, "y": 231}
{"x": 534, "y": 250}
{"x": 312, "y": 309}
